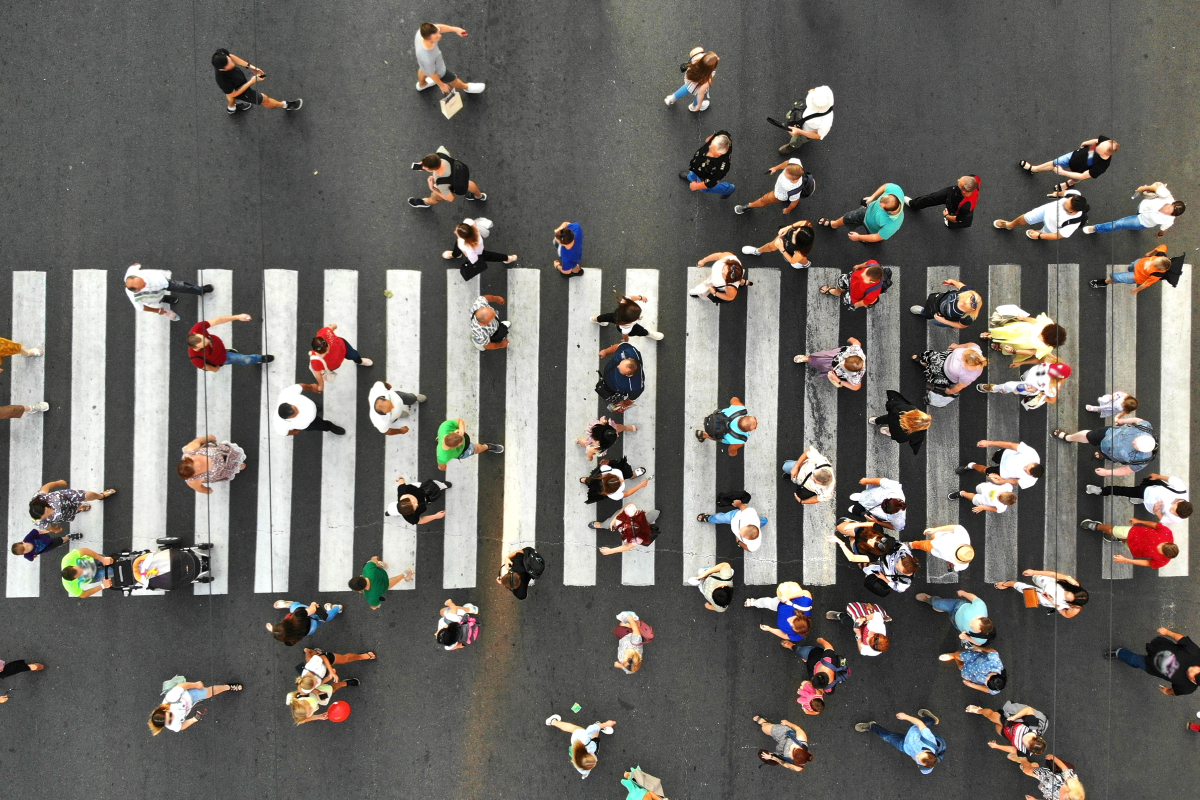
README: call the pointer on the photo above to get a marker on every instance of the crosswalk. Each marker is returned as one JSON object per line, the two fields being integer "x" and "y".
{"x": 686, "y": 544}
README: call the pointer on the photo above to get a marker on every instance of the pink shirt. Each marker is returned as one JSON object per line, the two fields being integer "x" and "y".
{"x": 959, "y": 372}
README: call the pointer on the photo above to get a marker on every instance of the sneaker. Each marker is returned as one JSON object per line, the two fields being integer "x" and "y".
{"x": 747, "y": 249}
{"x": 481, "y": 198}
{"x": 608, "y": 730}
{"x": 74, "y": 536}
{"x": 864, "y": 727}
{"x": 428, "y": 84}
{"x": 495, "y": 448}
{"x": 656, "y": 335}
{"x": 871, "y": 420}
{"x": 639, "y": 472}
{"x": 907, "y": 199}
{"x": 786, "y": 149}
{"x": 244, "y": 105}
{"x": 40, "y": 408}
{"x": 1089, "y": 524}
{"x": 703, "y": 106}
{"x": 268, "y": 358}
{"x": 683, "y": 176}
{"x": 171, "y": 315}
{"x": 366, "y": 362}
{"x": 692, "y": 581}
{"x": 918, "y": 310}
{"x": 1089, "y": 229}
{"x": 953, "y": 495}
{"x": 922, "y": 597}
{"x": 337, "y": 430}
{"x": 669, "y": 99}
{"x": 1092, "y": 488}
{"x": 475, "y": 88}
{"x": 1097, "y": 283}
{"x": 231, "y": 111}
{"x": 293, "y": 105}
{"x": 449, "y": 485}
{"x": 739, "y": 209}
{"x": 553, "y": 718}
{"x": 925, "y": 713}
{"x": 598, "y": 322}
{"x": 418, "y": 202}
{"x": 1111, "y": 653}
{"x": 986, "y": 388}
{"x": 963, "y": 470}
{"x": 353, "y": 682}
{"x": 207, "y": 288}
{"x": 833, "y": 615}
{"x": 421, "y": 398}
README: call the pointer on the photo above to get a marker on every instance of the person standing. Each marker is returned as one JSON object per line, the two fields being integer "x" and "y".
{"x": 16, "y": 667}
{"x": 731, "y": 426}
{"x": 448, "y": 178}
{"x": 85, "y": 572}
{"x": 431, "y": 66}
{"x": 698, "y": 73}
{"x": 869, "y": 623}
{"x": 1143, "y": 273}
{"x": 957, "y": 307}
{"x": 959, "y": 201}
{"x": 454, "y": 444}
{"x": 862, "y": 286}
{"x": 813, "y": 123}
{"x": 791, "y": 744}
{"x": 845, "y": 367}
{"x": 988, "y": 496}
{"x": 1059, "y": 218}
{"x": 794, "y": 242}
{"x": 520, "y": 570}
{"x": 1091, "y": 160}
{"x": 1150, "y": 545}
{"x": 626, "y": 317}
{"x": 881, "y": 213}
{"x": 1171, "y": 656}
{"x": 716, "y": 584}
{"x": 179, "y": 698}
{"x": 206, "y": 461}
{"x": 882, "y": 501}
{"x": 622, "y": 379}
{"x": 968, "y": 614}
{"x": 1158, "y": 208}
{"x": 412, "y": 501}
{"x": 238, "y": 88}
{"x": 707, "y": 170}
{"x": 1165, "y": 497}
{"x": 792, "y": 186}
{"x": 296, "y": 413}
{"x": 386, "y": 407}
{"x": 568, "y": 243}
{"x": 1051, "y": 590}
{"x": 374, "y": 582}
{"x": 1023, "y": 726}
{"x": 743, "y": 520}
{"x": 328, "y": 353}
{"x": 920, "y": 743}
{"x": 727, "y": 276}
{"x": 300, "y": 621}
{"x": 487, "y": 331}
{"x": 950, "y": 543}
{"x": 468, "y": 246}
{"x": 813, "y": 476}
{"x": 1014, "y": 463}
{"x": 148, "y": 290}
{"x": 1132, "y": 446}
{"x": 208, "y": 352}
{"x": 36, "y": 542}
{"x": 903, "y": 423}
{"x": 55, "y": 504}
{"x": 583, "y": 746}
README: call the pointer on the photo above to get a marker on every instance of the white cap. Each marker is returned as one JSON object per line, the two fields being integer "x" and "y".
{"x": 819, "y": 99}
{"x": 795, "y": 161}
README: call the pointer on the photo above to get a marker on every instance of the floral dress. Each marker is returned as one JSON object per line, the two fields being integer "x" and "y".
{"x": 65, "y": 503}
{"x": 9, "y": 348}
{"x": 225, "y": 460}
{"x": 978, "y": 665}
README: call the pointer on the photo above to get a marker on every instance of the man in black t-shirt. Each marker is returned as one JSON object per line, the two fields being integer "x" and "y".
{"x": 412, "y": 500}
{"x": 448, "y": 177}
{"x": 517, "y": 573}
{"x": 239, "y": 90}
{"x": 1170, "y": 656}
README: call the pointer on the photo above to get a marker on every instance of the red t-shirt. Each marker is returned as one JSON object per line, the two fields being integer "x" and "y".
{"x": 213, "y": 355}
{"x": 860, "y": 288}
{"x": 1144, "y": 540}
{"x": 333, "y": 357}
{"x": 635, "y": 529}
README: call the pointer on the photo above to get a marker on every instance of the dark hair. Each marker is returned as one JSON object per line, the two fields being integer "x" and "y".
{"x": 432, "y": 161}
{"x": 448, "y": 635}
{"x": 358, "y": 583}
{"x": 1036, "y": 746}
{"x": 1079, "y": 202}
{"x": 1054, "y": 335}
{"x": 986, "y": 626}
{"x": 817, "y": 704}
{"x": 820, "y": 680}
{"x": 319, "y": 345}
{"x": 1184, "y": 509}
{"x": 291, "y": 627}
{"x": 513, "y": 579}
{"x": 1170, "y": 549}
{"x": 220, "y": 59}
{"x": 908, "y": 565}
{"x": 627, "y": 311}
{"x": 284, "y": 410}
{"x": 608, "y": 482}
{"x": 68, "y": 573}
{"x": 14, "y": 549}
{"x": 37, "y": 507}
{"x": 1177, "y": 208}
{"x": 721, "y": 596}
{"x": 1080, "y": 594}
{"x": 566, "y": 236}
{"x": 873, "y": 273}
{"x": 428, "y": 29}
{"x": 892, "y": 505}
{"x": 997, "y": 682}
{"x": 184, "y": 468}
{"x": 803, "y": 238}
{"x": 1037, "y": 471}
{"x": 604, "y": 434}
{"x": 375, "y": 405}
{"x": 406, "y": 505}
{"x": 467, "y": 233}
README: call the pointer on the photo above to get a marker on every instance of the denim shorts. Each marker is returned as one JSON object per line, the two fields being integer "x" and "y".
{"x": 197, "y": 695}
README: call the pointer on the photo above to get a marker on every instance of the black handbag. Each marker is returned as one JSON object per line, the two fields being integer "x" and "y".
{"x": 876, "y": 585}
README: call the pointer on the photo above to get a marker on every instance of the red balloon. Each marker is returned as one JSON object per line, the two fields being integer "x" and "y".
{"x": 339, "y": 711}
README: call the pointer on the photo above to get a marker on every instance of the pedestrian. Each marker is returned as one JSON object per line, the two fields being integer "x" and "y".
{"x": 297, "y": 413}
{"x": 1165, "y": 497}
{"x": 867, "y": 539}
{"x": 18, "y": 411}
{"x": 882, "y": 574}
{"x": 716, "y": 584}
{"x": 1058, "y": 218}
{"x": 85, "y": 572}
{"x": 301, "y": 620}
{"x": 812, "y": 122}
{"x": 448, "y": 178}
{"x": 468, "y": 246}
{"x": 987, "y": 497}
{"x": 792, "y": 186}
{"x": 622, "y": 380}
{"x": 642, "y": 786}
{"x": 862, "y": 286}
{"x": 814, "y": 477}
{"x": 792, "y": 605}
{"x": 487, "y": 331}
{"x": 1057, "y": 780}
{"x": 634, "y": 526}
{"x": 948, "y": 372}
{"x": 568, "y": 244}
{"x": 919, "y": 743}
{"x": 1022, "y": 726}
{"x": 794, "y": 242}
{"x": 631, "y": 635}
{"x": 1119, "y": 405}
{"x": 881, "y": 214}
{"x": 730, "y": 426}
{"x": 869, "y": 623}
{"x": 810, "y": 698}
{"x": 330, "y": 351}
{"x": 412, "y": 501}
{"x": 313, "y": 692}
{"x": 1143, "y": 273}
{"x": 207, "y": 461}
{"x": 208, "y": 352}
{"x": 791, "y": 744}
{"x": 707, "y": 170}
{"x": 180, "y": 696}
{"x": 454, "y": 444}
{"x": 950, "y": 543}
{"x": 1091, "y": 160}
{"x": 968, "y": 614}
{"x": 882, "y": 502}
{"x": 744, "y": 521}
{"x": 1050, "y": 589}
{"x": 627, "y": 317}
{"x": 239, "y": 88}
{"x": 957, "y": 307}
{"x": 845, "y": 367}
{"x": 1150, "y": 545}
{"x": 55, "y": 505}
{"x": 600, "y": 435}
{"x": 148, "y": 290}
{"x": 16, "y": 667}
{"x": 698, "y": 73}
{"x": 980, "y": 667}
{"x": 11, "y": 348}
{"x": 374, "y": 581}
{"x": 386, "y": 407}
{"x": 457, "y": 626}
{"x": 35, "y": 543}
{"x": 904, "y": 422}
{"x": 727, "y": 276}
{"x": 608, "y": 481}
{"x": 823, "y": 666}
{"x": 1132, "y": 446}
{"x": 431, "y": 66}
{"x": 959, "y": 201}
{"x": 519, "y": 570}
{"x": 1157, "y": 208}
{"x": 583, "y": 747}
{"x": 319, "y": 670}
{"x": 1038, "y": 385}
{"x": 1032, "y": 339}
{"x": 1014, "y": 463}
{"x": 1171, "y": 656}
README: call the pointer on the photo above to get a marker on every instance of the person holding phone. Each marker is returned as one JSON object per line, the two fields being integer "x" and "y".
{"x": 239, "y": 90}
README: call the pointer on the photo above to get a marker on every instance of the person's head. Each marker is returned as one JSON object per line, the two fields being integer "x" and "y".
{"x": 383, "y": 405}
{"x": 39, "y": 508}
{"x": 1130, "y": 404}
{"x": 290, "y": 627}
{"x": 700, "y": 70}
{"x": 803, "y": 237}
{"x": 1035, "y": 471}
{"x": 926, "y": 758}
{"x": 1182, "y": 508}
{"x": 135, "y": 283}
{"x": 747, "y": 423}
{"x": 581, "y": 758}
{"x": 430, "y": 32}
{"x": 893, "y": 505}
{"x": 1144, "y": 443}
{"x": 1073, "y": 594}
{"x": 485, "y": 315}
{"x": 819, "y": 99}
{"x": 21, "y": 548}
{"x": 509, "y": 580}
{"x": 197, "y": 341}
{"x": 1169, "y": 549}
{"x": 1177, "y": 208}
{"x": 1007, "y": 498}
{"x": 1035, "y": 744}
{"x": 801, "y": 756}
{"x": 965, "y": 554}
{"x": 997, "y": 681}
{"x": 358, "y": 584}
{"x": 632, "y": 660}
{"x": 1053, "y": 335}
{"x": 908, "y": 565}
{"x": 301, "y": 708}
{"x": 801, "y": 624}
{"x": 286, "y": 411}
{"x": 915, "y": 420}
{"x": 889, "y": 203}
{"x": 873, "y": 274}
{"x": 721, "y": 144}
{"x": 159, "y": 718}
{"x": 452, "y": 440}
{"x": 969, "y": 303}
{"x": 749, "y": 533}
{"x": 733, "y": 271}
{"x": 823, "y": 476}
{"x": 794, "y": 170}
{"x": 431, "y": 162}
{"x": 468, "y": 233}
{"x": 1076, "y": 203}
{"x": 1074, "y": 789}
{"x": 185, "y": 469}
{"x": 983, "y": 625}
{"x": 816, "y": 705}
{"x": 854, "y": 364}
{"x": 319, "y": 345}
{"x": 627, "y": 311}
{"x": 407, "y": 505}
{"x": 722, "y": 596}
{"x": 820, "y": 679}
{"x": 878, "y": 642}
{"x": 974, "y": 359}
{"x": 628, "y": 366}
{"x": 1112, "y": 145}
{"x": 71, "y": 573}
{"x": 565, "y": 236}
{"x": 448, "y": 636}
{"x": 307, "y": 682}
{"x": 609, "y": 483}
{"x": 968, "y": 184}
{"x": 221, "y": 60}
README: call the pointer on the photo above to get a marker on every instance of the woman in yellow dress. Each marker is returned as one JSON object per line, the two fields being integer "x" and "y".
{"x": 11, "y": 348}
{"x": 1029, "y": 339}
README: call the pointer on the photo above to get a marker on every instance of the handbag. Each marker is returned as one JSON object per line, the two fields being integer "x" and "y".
{"x": 646, "y": 781}
{"x": 1004, "y": 314}
{"x": 621, "y": 631}
{"x": 1031, "y": 598}
{"x": 451, "y": 104}
{"x": 326, "y": 372}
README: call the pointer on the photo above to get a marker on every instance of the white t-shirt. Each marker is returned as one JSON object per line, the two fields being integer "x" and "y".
{"x": 1057, "y": 216}
{"x": 1014, "y": 462}
{"x": 314, "y": 666}
{"x": 484, "y": 226}
{"x": 987, "y": 495}
{"x": 820, "y": 125}
{"x": 1158, "y": 494}
{"x": 873, "y": 496}
{"x": 787, "y": 189}
{"x": 747, "y": 516}
{"x": 306, "y": 410}
{"x": 946, "y": 543}
{"x": 383, "y": 422}
{"x": 875, "y": 625}
{"x": 1149, "y": 213}
{"x": 445, "y": 621}
{"x": 152, "y": 294}
{"x": 181, "y": 705}
{"x": 588, "y": 737}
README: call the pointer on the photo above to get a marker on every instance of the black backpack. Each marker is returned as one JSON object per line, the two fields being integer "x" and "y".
{"x": 535, "y": 565}
{"x": 886, "y": 283}
{"x": 717, "y": 425}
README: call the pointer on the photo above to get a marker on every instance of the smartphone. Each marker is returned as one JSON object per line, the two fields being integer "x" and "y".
{"x": 416, "y": 165}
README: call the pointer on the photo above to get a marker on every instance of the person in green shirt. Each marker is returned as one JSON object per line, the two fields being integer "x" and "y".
{"x": 454, "y": 443}
{"x": 374, "y": 581}
{"x": 882, "y": 214}
{"x": 82, "y": 567}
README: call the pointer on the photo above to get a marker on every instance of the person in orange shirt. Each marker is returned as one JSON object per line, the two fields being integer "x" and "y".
{"x": 1145, "y": 272}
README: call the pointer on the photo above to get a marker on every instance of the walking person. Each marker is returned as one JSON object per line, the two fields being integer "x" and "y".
{"x": 716, "y": 584}
{"x": 919, "y": 743}
{"x": 959, "y": 201}
{"x": 824, "y": 668}
{"x": 412, "y": 500}
{"x": 728, "y": 275}
{"x": 239, "y": 88}
{"x": 1158, "y": 208}
{"x": 207, "y": 352}
{"x": 791, "y": 744}
{"x": 957, "y": 307}
{"x": 431, "y": 66}
{"x": 55, "y": 505}
{"x": 882, "y": 502}
{"x": 794, "y": 242}
{"x": 637, "y": 528}
{"x": 622, "y": 380}
{"x": 793, "y": 605}
{"x": 866, "y": 539}
{"x": 374, "y": 581}
{"x": 85, "y": 572}
{"x": 180, "y": 696}
{"x": 1057, "y": 780}
{"x": 448, "y": 178}
{"x": 457, "y": 626}
{"x": 627, "y": 317}
{"x": 980, "y": 667}
{"x": 152, "y": 291}
{"x": 948, "y": 372}
{"x": 329, "y": 352}
{"x": 608, "y": 481}
{"x": 1022, "y": 726}
{"x": 1171, "y": 657}
{"x": 1050, "y": 589}
{"x": 568, "y": 245}
{"x": 583, "y": 746}
{"x": 792, "y": 186}
{"x": 950, "y": 543}
{"x": 11, "y": 348}
{"x": 810, "y": 698}
{"x": 968, "y": 614}
{"x": 813, "y": 476}
{"x": 1132, "y": 446}
{"x": 987, "y": 497}
{"x": 1151, "y": 545}
{"x": 845, "y": 367}
{"x": 16, "y": 667}
{"x": 296, "y": 413}
{"x": 301, "y": 620}
{"x": 882, "y": 574}
{"x": 1058, "y": 218}
{"x": 698, "y": 73}
{"x": 454, "y": 444}
{"x": 1038, "y": 385}
{"x": 487, "y": 330}
{"x": 1143, "y": 273}
{"x": 1031, "y": 339}
{"x": 862, "y": 286}
{"x": 519, "y": 570}
{"x": 810, "y": 123}
{"x": 1165, "y": 497}
{"x": 707, "y": 170}
{"x": 207, "y": 461}
{"x": 903, "y": 422}
{"x": 386, "y": 407}
{"x": 869, "y": 623}
{"x": 631, "y": 635}
{"x": 1119, "y": 405}
{"x": 730, "y": 426}
{"x": 468, "y": 246}
{"x": 318, "y": 681}
{"x": 1090, "y": 160}
{"x": 600, "y": 435}
{"x": 881, "y": 214}
{"x": 1014, "y": 463}
{"x": 743, "y": 520}
{"x": 36, "y": 542}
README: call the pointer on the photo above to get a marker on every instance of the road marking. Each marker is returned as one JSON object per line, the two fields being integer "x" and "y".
{"x": 462, "y": 402}
{"x": 1003, "y": 425}
{"x": 941, "y": 442}
{"x": 151, "y": 392}
{"x": 521, "y": 409}
{"x": 214, "y": 416}
{"x": 699, "y": 400}
{"x": 637, "y": 565}
{"x": 822, "y": 331}
{"x": 401, "y": 451}
{"x": 583, "y": 342}
{"x": 1120, "y": 372}
{"x": 761, "y": 463}
{"x": 1175, "y": 401}
{"x": 883, "y": 373}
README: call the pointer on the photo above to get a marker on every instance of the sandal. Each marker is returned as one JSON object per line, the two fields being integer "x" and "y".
{"x": 1059, "y": 433}
{"x": 107, "y": 493}
{"x": 702, "y": 517}
{"x": 234, "y": 687}
{"x": 631, "y": 428}
{"x": 1001, "y": 224}
{"x": 824, "y": 223}
{"x": 1061, "y": 187}
{"x": 826, "y": 290}
{"x": 583, "y": 481}
{"x": 1026, "y": 166}
{"x": 700, "y": 437}
{"x": 748, "y": 602}
{"x": 370, "y": 655}
{"x": 996, "y": 347}
{"x": 447, "y": 254}
{"x": 800, "y": 360}
{"x": 758, "y": 719}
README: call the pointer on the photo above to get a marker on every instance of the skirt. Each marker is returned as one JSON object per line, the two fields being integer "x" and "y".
{"x": 9, "y": 348}
{"x": 934, "y": 362}
{"x": 822, "y": 361}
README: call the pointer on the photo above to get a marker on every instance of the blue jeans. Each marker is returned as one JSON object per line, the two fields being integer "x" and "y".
{"x": 726, "y": 517}
{"x": 352, "y": 354}
{"x": 1135, "y": 660}
{"x": 950, "y": 606}
{"x": 244, "y": 359}
{"x": 724, "y": 187}
{"x": 314, "y": 621}
{"x": 896, "y": 740}
{"x": 1123, "y": 277}
{"x": 681, "y": 92}
{"x": 1131, "y": 223}
{"x": 788, "y": 466}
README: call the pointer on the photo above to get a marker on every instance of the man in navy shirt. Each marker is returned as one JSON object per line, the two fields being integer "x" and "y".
{"x": 624, "y": 378}
{"x": 35, "y": 543}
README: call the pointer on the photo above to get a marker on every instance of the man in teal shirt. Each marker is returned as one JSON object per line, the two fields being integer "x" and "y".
{"x": 84, "y": 567}
{"x": 881, "y": 214}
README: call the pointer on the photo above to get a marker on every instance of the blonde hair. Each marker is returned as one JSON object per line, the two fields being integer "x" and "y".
{"x": 854, "y": 364}
{"x": 794, "y": 171}
{"x": 974, "y": 359}
{"x": 915, "y": 420}
{"x": 1075, "y": 789}
{"x": 307, "y": 682}
{"x": 1007, "y": 498}
{"x": 581, "y": 758}
{"x": 634, "y": 662}
{"x": 302, "y": 709}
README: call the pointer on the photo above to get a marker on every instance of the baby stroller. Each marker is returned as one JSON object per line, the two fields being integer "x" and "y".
{"x": 164, "y": 569}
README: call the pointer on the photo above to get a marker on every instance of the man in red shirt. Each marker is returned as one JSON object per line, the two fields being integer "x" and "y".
{"x": 328, "y": 352}
{"x": 861, "y": 288}
{"x": 1152, "y": 545}
{"x": 208, "y": 352}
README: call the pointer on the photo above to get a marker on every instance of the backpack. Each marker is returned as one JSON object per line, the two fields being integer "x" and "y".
{"x": 535, "y": 565}
{"x": 876, "y": 585}
{"x": 886, "y": 283}
{"x": 468, "y": 630}
{"x": 717, "y": 425}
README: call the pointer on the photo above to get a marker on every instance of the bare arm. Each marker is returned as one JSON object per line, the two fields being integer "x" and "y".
{"x": 49, "y": 487}
{"x": 612, "y": 551}
{"x": 215, "y": 321}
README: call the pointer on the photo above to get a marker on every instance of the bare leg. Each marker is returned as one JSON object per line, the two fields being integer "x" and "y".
{"x": 772, "y": 246}
{"x": 1108, "y": 529}
{"x": 967, "y": 495}
{"x": 1045, "y": 167}
{"x": 566, "y": 726}
{"x": 1015, "y": 223}
{"x": 1078, "y": 436}
{"x": 474, "y": 189}
{"x": 270, "y": 102}
{"x": 457, "y": 83}
{"x": 348, "y": 658}
{"x": 435, "y": 198}
{"x": 980, "y": 468}
{"x": 766, "y": 200}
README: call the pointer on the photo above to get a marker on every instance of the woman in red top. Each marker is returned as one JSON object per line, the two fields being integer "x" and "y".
{"x": 1150, "y": 545}
{"x": 861, "y": 288}
{"x": 328, "y": 352}
{"x": 634, "y": 527}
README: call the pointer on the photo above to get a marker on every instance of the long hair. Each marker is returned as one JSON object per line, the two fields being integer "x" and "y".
{"x": 301, "y": 708}
{"x": 468, "y": 233}
{"x": 700, "y": 71}
{"x": 608, "y": 482}
{"x": 184, "y": 468}
{"x": 158, "y": 719}
{"x": 915, "y": 420}
{"x": 581, "y": 758}
{"x": 634, "y": 662}
{"x": 290, "y": 627}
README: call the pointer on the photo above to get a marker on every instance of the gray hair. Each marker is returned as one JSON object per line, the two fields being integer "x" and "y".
{"x": 823, "y": 476}
{"x": 721, "y": 143}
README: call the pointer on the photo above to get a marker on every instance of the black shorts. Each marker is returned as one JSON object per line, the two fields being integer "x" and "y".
{"x": 1095, "y": 437}
{"x": 249, "y": 96}
{"x": 448, "y": 77}
{"x": 996, "y": 456}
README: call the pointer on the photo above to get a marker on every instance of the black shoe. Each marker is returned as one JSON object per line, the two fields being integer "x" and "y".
{"x": 1110, "y": 653}
{"x": 963, "y": 470}
{"x": 207, "y": 288}
{"x": 267, "y": 359}
{"x": 417, "y": 202}
{"x": 683, "y": 176}
{"x": 74, "y": 536}
{"x": 955, "y": 495}
{"x": 727, "y": 196}
{"x": 845, "y": 519}
{"x": 449, "y": 485}
{"x": 244, "y": 105}
{"x": 337, "y": 430}
{"x": 353, "y": 682}
{"x": 170, "y": 299}
{"x": 1097, "y": 283}
{"x": 293, "y": 105}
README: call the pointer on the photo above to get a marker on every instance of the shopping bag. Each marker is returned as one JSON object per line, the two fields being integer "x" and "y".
{"x": 451, "y": 104}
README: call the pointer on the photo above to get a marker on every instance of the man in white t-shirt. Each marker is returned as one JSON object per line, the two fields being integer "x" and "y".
{"x": 987, "y": 496}
{"x": 951, "y": 543}
{"x": 148, "y": 290}
{"x": 1059, "y": 218}
{"x": 792, "y": 185}
{"x": 386, "y": 407}
{"x": 295, "y": 413}
{"x": 1165, "y": 497}
{"x": 745, "y": 522}
{"x": 1159, "y": 209}
{"x": 1016, "y": 464}
{"x": 813, "y": 122}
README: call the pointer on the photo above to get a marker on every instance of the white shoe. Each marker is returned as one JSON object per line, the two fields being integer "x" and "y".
{"x": 171, "y": 315}
{"x": 802, "y": 266}
{"x": 553, "y": 718}
{"x": 475, "y": 88}
{"x": 656, "y": 335}
{"x": 40, "y": 408}
{"x": 907, "y": 199}
{"x": 471, "y": 607}
{"x": 751, "y": 251}
{"x": 366, "y": 362}
{"x": 598, "y": 322}
{"x": 703, "y": 107}
{"x": 34, "y": 352}
{"x": 606, "y": 730}
{"x": 1092, "y": 488}
{"x": 669, "y": 99}
{"x": 423, "y": 86}
{"x": 694, "y": 581}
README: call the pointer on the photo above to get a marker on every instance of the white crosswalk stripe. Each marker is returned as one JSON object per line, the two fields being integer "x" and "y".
{"x": 1174, "y": 400}
{"x": 524, "y": 303}
{"x": 462, "y": 402}
{"x": 1120, "y": 372}
{"x": 637, "y": 565}
{"x": 151, "y": 394}
{"x": 1003, "y": 425}
{"x": 941, "y": 443}
{"x": 1062, "y": 472}
{"x": 883, "y": 373}
{"x": 401, "y": 451}
{"x": 699, "y": 400}
{"x": 583, "y": 342}
{"x": 338, "y": 465}
{"x": 822, "y": 331}
{"x": 762, "y": 400}
{"x": 214, "y": 416}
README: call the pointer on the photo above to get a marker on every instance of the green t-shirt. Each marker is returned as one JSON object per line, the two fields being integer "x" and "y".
{"x": 76, "y": 558}
{"x": 880, "y": 221}
{"x": 378, "y": 577}
{"x": 445, "y": 456}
